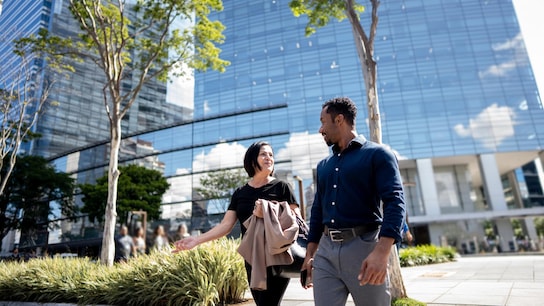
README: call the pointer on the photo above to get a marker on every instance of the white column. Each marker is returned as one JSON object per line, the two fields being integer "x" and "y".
{"x": 427, "y": 187}
{"x": 540, "y": 170}
{"x": 531, "y": 229}
{"x": 435, "y": 234}
{"x": 491, "y": 181}
{"x": 506, "y": 233}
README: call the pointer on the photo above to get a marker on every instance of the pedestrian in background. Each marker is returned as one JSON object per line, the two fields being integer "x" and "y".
{"x": 124, "y": 245}
{"x": 139, "y": 241}
{"x": 160, "y": 239}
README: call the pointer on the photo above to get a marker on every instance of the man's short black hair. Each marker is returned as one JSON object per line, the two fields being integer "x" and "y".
{"x": 252, "y": 154}
{"x": 343, "y": 106}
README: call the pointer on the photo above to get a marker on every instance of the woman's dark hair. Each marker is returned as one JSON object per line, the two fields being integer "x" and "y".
{"x": 252, "y": 154}
{"x": 343, "y": 106}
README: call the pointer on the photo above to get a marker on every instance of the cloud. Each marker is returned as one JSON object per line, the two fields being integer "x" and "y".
{"x": 503, "y": 68}
{"x": 178, "y": 191}
{"x": 223, "y": 155}
{"x": 181, "y": 90}
{"x": 304, "y": 150}
{"x": 493, "y": 125}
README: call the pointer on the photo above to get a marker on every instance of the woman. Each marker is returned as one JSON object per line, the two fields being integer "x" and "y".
{"x": 139, "y": 242}
{"x": 160, "y": 240}
{"x": 259, "y": 165}
{"x": 182, "y": 232}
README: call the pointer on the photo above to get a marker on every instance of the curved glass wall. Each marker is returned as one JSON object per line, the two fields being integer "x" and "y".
{"x": 454, "y": 79}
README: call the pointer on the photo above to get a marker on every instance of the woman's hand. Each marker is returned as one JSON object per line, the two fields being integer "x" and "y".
{"x": 185, "y": 244}
{"x": 258, "y": 209}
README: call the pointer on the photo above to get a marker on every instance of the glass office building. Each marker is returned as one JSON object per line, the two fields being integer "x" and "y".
{"x": 458, "y": 100}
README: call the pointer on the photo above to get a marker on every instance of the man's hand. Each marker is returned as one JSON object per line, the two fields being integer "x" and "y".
{"x": 374, "y": 267}
{"x": 409, "y": 237}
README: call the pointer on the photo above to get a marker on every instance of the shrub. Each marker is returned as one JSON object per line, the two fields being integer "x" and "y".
{"x": 208, "y": 275}
{"x": 407, "y": 302}
{"x": 425, "y": 254}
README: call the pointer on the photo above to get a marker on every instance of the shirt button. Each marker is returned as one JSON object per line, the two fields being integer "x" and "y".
{"x": 333, "y": 186}
{"x": 339, "y": 154}
{"x": 336, "y": 169}
{"x": 333, "y": 203}
{"x": 332, "y": 221}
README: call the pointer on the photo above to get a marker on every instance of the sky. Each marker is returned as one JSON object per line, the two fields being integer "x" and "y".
{"x": 532, "y": 22}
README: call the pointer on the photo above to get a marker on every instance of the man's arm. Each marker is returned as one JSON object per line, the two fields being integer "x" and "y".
{"x": 374, "y": 267}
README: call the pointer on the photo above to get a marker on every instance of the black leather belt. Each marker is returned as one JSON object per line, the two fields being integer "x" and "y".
{"x": 345, "y": 234}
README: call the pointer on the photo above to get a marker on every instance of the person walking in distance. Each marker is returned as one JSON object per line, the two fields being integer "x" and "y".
{"x": 357, "y": 214}
{"x": 245, "y": 202}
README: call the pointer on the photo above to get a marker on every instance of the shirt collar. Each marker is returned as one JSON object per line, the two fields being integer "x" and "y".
{"x": 358, "y": 142}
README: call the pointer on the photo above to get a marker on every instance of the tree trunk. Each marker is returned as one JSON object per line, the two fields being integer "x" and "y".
{"x": 397, "y": 289}
{"x": 374, "y": 124}
{"x": 108, "y": 244}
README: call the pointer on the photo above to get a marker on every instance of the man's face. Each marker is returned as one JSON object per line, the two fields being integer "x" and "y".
{"x": 329, "y": 129}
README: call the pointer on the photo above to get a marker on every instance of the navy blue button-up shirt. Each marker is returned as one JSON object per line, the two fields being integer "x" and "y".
{"x": 350, "y": 185}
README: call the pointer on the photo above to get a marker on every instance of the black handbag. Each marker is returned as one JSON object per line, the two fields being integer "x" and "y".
{"x": 298, "y": 250}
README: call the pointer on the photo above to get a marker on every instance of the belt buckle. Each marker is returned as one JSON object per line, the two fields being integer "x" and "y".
{"x": 336, "y": 235}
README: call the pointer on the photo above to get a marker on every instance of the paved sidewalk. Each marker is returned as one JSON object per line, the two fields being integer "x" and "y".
{"x": 501, "y": 280}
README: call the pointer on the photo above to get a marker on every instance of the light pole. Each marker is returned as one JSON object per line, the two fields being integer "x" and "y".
{"x": 301, "y": 195}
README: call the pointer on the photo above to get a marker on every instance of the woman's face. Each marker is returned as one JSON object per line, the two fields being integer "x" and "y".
{"x": 265, "y": 160}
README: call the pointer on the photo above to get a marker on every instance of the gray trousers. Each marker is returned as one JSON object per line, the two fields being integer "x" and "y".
{"x": 336, "y": 267}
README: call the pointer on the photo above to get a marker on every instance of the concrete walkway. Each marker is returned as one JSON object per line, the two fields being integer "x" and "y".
{"x": 471, "y": 280}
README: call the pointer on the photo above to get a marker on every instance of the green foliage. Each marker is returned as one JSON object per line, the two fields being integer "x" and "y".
{"x": 108, "y": 33}
{"x": 53, "y": 49}
{"x": 518, "y": 229}
{"x": 139, "y": 188}
{"x": 221, "y": 184}
{"x": 425, "y": 254}
{"x": 49, "y": 280}
{"x": 208, "y": 275}
{"x": 33, "y": 184}
{"x": 488, "y": 229}
{"x": 320, "y": 12}
{"x": 539, "y": 225}
{"x": 407, "y": 302}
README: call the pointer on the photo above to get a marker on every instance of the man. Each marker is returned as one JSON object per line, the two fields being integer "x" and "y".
{"x": 355, "y": 238}
{"x": 124, "y": 245}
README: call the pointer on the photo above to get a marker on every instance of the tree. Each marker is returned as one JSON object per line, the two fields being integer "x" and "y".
{"x": 320, "y": 13}
{"x": 24, "y": 95}
{"x": 26, "y": 201}
{"x": 139, "y": 189}
{"x": 137, "y": 40}
{"x": 220, "y": 185}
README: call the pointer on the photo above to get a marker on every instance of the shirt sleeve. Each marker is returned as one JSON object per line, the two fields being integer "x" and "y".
{"x": 391, "y": 192}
